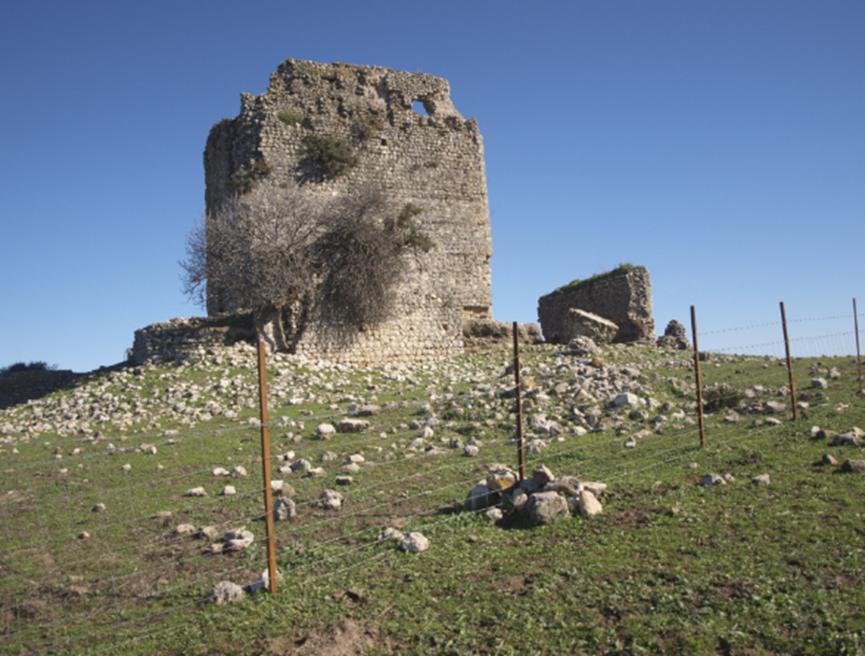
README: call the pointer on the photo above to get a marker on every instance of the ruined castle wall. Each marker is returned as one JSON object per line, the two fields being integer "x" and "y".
{"x": 434, "y": 162}
{"x": 622, "y": 296}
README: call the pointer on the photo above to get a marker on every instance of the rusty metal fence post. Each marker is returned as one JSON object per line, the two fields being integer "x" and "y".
{"x": 521, "y": 452}
{"x": 789, "y": 363}
{"x": 265, "y": 466}
{"x": 697, "y": 378}
{"x": 858, "y": 354}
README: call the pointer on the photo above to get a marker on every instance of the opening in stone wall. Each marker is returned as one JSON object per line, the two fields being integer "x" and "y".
{"x": 419, "y": 107}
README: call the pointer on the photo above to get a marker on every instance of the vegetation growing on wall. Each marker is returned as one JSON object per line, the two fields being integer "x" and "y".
{"x": 244, "y": 178}
{"x": 326, "y": 157}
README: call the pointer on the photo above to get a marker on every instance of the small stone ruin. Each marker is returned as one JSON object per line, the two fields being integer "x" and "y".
{"x": 674, "y": 337}
{"x": 612, "y": 307}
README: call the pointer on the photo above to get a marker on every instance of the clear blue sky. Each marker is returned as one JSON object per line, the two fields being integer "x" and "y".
{"x": 721, "y": 144}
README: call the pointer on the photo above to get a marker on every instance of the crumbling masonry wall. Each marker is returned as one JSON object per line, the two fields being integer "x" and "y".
{"x": 433, "y": 161}
{"x": 624, "y": 296}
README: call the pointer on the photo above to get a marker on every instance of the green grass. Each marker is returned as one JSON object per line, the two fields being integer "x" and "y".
{"x": 738, "y": 570}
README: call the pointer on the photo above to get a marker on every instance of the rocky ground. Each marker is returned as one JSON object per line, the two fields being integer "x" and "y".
{"x": 140, "y": 489}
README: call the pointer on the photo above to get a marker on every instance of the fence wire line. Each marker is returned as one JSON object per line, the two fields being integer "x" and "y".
{"x": 161, "y": 539}
{"x": 750, "y": 434}
{"x": 651, "y": 457}
{"x": 218, "y": 499}
{"x": 306, "y": 528}
{"x": 654, "y": 459}
{"x": 201, "y": 505}
{"x": 768, "y": 324}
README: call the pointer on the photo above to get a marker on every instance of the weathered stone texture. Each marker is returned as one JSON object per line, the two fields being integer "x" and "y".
{"x": 173, "y": 340}
{"x": 485, "y": 334}
{"x": 674, "y": 337}
{"x": 579, "y": 323}
{"x": 434, "y": 162}
{"x": 623, "y": 296}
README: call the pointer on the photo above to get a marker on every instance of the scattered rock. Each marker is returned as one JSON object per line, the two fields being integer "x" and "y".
{"x": 712, "y": 479}
{"x": 845, "y": 439}
{"x": 674, "y": 337}
{"x": 583, "y": 347}
{"x": 195, "y": 492}
{"x": 390, "y": 533}
{"x": 544, "y": 508}
{"x": 352, "y": 425}
{"x": 237, "y": 540}
{"x": 325, "y": 431}
{"x": 228, "y": 491}
{"x": 542, "y": 475}
{"x": 414, "y": 542}
{"x": 331, "y": 500}
{"x": 856, "y": 466}
{"x": 226, "y": 592}
{"x": 588, "y": 504}
{"x": 184, "y": 529}
{"x": 627, "y": 399}
{"x": 829, "y": 459}
{"x": 500, "y": 477}
{"x": 284, "y": 509}
{"x": 761, "y": 480}
{"x": 480, "y": 496}
{"x": 494, "y": 514}
{"x": 208, "y": 532}
{"x": 99, "y": 508}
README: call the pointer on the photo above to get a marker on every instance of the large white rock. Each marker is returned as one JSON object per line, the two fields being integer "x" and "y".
{"x": 331, "y": 500}
{"x": 588, "y": 504}
{"x": 414, "y": 542}
{"x": 325, "y": 431}
{"x": 195, "y": 492}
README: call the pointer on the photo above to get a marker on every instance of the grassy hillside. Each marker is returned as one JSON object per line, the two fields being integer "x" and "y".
{"x": 670, "y": 566}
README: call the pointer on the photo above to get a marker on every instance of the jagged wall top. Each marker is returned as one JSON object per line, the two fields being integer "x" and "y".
{"x": 432, "y": 160}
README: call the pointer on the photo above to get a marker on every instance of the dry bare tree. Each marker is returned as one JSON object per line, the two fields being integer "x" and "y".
{"x": 284, "y": 252}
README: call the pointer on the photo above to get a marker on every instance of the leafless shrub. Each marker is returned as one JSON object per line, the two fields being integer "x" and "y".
{"x": 362, "y": 252}
{"x": 282, "y": 252}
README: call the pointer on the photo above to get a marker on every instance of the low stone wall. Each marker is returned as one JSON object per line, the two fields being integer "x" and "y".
{"x": 485, "y": 334}
{"x": 432, "y": 332}
{"x": 624, "y": 296}
{"x": 172, "y": 340}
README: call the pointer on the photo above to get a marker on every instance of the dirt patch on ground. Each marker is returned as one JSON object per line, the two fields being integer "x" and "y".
{"x": 516, "y": 584}
{"x": 347, "y": 638}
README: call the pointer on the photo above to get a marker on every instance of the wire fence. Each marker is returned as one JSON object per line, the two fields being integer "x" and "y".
{"x": 155, "y": 553}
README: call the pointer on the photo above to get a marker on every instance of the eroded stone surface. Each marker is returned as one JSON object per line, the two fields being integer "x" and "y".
{"x": 623, "y": 296}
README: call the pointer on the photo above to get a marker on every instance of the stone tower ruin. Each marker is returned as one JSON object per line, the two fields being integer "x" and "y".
{"x": 406, "y": 138}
